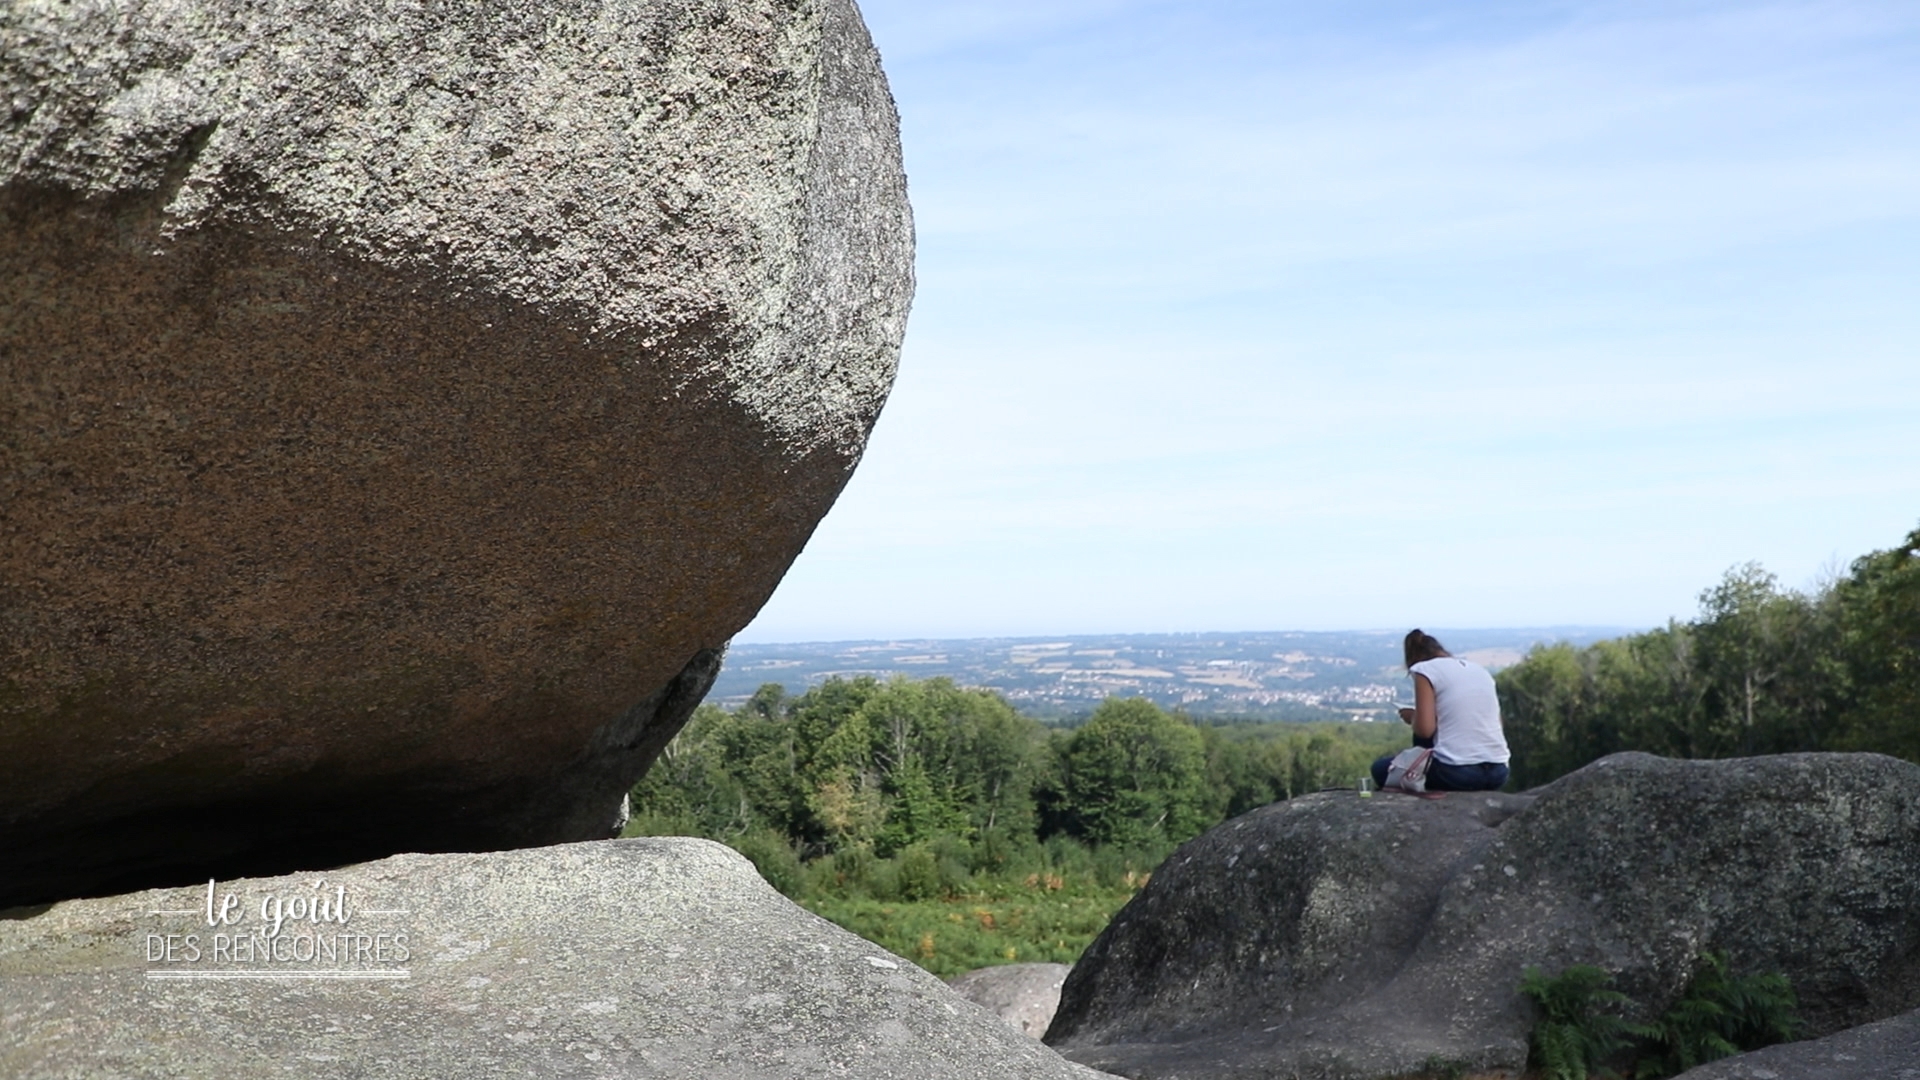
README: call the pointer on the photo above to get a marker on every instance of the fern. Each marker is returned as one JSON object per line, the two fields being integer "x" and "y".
{"x": 1574, "y": 1037}
{"x": 1719, "y": 1015}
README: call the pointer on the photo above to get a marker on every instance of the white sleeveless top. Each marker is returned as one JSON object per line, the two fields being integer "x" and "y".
{"x": 1469, "y": 712}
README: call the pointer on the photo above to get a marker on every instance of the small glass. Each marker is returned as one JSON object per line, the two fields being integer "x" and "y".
{"x": 1366, "y": 787}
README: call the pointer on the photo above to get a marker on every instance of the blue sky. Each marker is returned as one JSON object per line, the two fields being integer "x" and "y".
{"x": 1268, "y": 316}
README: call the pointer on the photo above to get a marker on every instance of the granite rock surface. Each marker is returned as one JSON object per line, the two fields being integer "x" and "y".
{"x": 1887, "y": 1050}
{"x": 656, "y": 958}
{"x": 401, "y": 405}
{"x": 1024, "y": 995}
{"x": 1332, "y": 936}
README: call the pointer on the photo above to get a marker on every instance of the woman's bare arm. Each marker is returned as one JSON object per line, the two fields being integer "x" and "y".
{"x": 1426, "y": 710}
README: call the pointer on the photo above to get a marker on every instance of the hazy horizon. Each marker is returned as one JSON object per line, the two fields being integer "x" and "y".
{"x": 1439, "y": 631}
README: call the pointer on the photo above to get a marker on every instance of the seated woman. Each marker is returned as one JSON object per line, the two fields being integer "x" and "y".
{"x": 1456, "y": 713}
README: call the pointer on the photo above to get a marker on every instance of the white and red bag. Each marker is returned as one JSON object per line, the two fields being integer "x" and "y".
{"x": 1408, "y": 770}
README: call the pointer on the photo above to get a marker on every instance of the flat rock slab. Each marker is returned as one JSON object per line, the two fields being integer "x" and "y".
{"x": 656, "y": 958}
{"x": 1888, "y": 1050}
{"x": 401, "y": 404}
{"x": 1024, "y": 995}
{"x": 1334, "y": 937}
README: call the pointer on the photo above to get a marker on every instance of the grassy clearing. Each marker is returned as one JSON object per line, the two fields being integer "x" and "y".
{"x": 948, "y": 937}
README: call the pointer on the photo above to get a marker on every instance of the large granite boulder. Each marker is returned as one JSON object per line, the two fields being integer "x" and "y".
{"x": 402, "y": 404}
{"x": 659, "y": 958}
{"x": 1887, "y": 1050}
{"x": 1332, "y": 936}
{"x": 1024, "y": 995}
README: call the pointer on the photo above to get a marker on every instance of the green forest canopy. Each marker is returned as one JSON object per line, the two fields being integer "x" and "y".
{"x": 857, "y": 769}
{"x": 941, "y": 824}
{"x": 1760, "y": 670}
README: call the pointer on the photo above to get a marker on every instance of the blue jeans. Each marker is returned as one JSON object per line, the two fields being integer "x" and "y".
{"x": 1485, "y": 776}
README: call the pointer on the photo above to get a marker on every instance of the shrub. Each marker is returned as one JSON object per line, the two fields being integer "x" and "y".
{"x": 1006, "y": 853}
{"x": 953, "y": 859}
{"x": 883, "y": 879}
{"x": 774, "y": 857}
{"x": 852, "y": 871}
{"x": 919, "y": 873}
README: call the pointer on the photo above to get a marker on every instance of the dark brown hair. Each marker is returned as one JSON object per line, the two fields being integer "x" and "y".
{"x": 1421, "y": 645}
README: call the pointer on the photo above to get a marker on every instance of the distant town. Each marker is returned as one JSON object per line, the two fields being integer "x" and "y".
{"x": 1297, "y": 675}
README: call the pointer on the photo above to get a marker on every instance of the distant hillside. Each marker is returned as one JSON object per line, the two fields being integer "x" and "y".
{"x": 1275, "y": 676}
